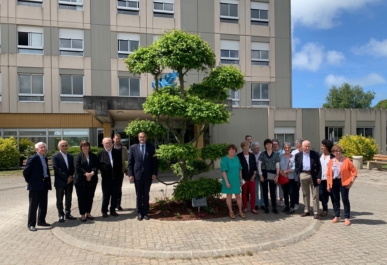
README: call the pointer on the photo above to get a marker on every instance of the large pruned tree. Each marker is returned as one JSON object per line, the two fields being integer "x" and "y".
{"x": 174, "y": 108}
{"x": 347, "y": 96}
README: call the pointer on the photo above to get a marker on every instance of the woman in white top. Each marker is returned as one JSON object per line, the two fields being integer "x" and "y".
{"x": 326, "y": 148}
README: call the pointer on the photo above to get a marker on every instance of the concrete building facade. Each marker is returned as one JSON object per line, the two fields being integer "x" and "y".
{"x": 62, "y": 74}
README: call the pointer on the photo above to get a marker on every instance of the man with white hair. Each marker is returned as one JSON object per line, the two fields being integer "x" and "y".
{"x": 37, "y": 175}
{"x": 259, "y": 202}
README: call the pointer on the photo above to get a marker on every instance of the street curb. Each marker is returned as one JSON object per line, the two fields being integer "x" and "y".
{"x": 138, "y": 253}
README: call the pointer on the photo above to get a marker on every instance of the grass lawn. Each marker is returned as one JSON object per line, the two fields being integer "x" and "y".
{"x": 15, "y": 172}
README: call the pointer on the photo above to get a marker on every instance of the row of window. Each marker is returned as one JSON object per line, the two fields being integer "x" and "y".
{"x": 229, "y": 9}
{"x": 259, "y": 95}
{"x": 31, "y": 87}
{"x": 229, "y": 52}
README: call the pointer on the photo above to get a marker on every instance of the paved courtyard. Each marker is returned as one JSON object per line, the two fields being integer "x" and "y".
{"x": 258, "y": 239}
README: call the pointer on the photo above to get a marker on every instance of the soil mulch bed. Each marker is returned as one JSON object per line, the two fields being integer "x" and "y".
{"x": 168, "y": 210}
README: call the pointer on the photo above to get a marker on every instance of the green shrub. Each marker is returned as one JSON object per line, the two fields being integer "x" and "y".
{"x": 9, "y": 154}
{"x": 198, "y": 188}
{"x": 24, "y": 143}
{"x": 194, "y": 167}
{"x": 357, "y": 145}
{"x": 74, "y": 150}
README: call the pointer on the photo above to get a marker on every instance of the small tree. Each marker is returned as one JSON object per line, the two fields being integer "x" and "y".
{"x": 358, "y": 145}
{"x": 174, "y": 108}
{"x": 381, "y": 104}
{"x": 9, "y": 154}
{"x": 349, "y": 97}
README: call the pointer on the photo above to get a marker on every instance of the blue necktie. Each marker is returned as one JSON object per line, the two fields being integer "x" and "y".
{"x": 143, "y": 151}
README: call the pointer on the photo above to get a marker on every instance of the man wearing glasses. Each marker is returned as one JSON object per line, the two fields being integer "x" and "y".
{"x": 63, "y": 165}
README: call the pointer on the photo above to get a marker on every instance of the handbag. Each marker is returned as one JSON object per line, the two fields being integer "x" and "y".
{"x": 282, "y": 180}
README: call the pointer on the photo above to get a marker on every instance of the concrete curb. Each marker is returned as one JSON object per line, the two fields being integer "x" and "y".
{"x": 138, "y": 253}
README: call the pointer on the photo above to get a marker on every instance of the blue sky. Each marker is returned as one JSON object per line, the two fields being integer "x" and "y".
{"x": 337, "y": 41}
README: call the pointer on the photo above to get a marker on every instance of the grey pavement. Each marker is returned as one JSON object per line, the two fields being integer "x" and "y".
{"x": 258, "y": 239}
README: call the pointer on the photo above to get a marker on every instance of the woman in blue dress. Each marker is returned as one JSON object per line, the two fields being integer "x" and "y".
{"x": 231, "y": 179}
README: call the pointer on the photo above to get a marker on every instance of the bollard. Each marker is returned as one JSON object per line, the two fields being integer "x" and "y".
{"x": 358, "y": 162}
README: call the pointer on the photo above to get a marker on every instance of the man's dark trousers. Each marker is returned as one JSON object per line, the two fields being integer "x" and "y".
{"x": 110, "y": 191}
{"x": 142, "y": 187}
{"x": 66, "y": 192}
{"x": 38, "y": 199}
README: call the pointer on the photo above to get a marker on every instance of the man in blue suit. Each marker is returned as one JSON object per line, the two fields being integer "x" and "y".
{"x": 63, "y": 164}
{"x": 37, "y": 175}
{"x": 142, "y": 168}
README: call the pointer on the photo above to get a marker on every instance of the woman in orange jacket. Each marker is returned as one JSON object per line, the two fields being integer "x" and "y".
{"x": 341, "y": 175}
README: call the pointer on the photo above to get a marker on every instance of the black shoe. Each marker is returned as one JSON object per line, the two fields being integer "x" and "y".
{"x": 266, "y": 210}
{"x": 104, "y": 214}
{"x": 90, "y": 217}
{"x": 146, "y": 217}
{"x": 84, "y": 220}
{"x": 291, "y": 211}
{"x": 61, "y": 219}
{"x": 140, "y": 217}
{"x": 263, "y": 207}
{"x": 114, "y": 213}
{"x": 32, "y": 228}
{"x": 275, "y": 211}
{"x": 256, "y": 208}
{"x": 70, "y": 217}
{"x": 286, "y": 209}
{"x": 44, "y": 224}
{"x": 119, "y": 208}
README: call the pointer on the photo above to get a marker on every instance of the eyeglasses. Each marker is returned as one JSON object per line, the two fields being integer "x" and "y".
{"x": 63, "y": 145}
{"x": 337, "y": 151}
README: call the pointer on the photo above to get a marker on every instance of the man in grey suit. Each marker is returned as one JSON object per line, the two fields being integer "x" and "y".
{"x": 142, "y": 168}
{"x": 63, "y": 165}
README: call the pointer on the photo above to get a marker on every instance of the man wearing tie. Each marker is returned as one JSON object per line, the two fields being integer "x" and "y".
{"x": 37, "y": 175}
{"x": 110, "y": 161}
{"x": 142, "y": 168}
{"x": 63, "y": 164}
{"x": 308, "y": 169}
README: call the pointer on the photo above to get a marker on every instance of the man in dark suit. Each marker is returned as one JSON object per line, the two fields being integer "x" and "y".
{"x": 63, "y": 164}
{"x": 110, "y": 161}
{"x": 37, "y": 175}
{"x": 308, "y": 170}
{"x": 142, "y": 168}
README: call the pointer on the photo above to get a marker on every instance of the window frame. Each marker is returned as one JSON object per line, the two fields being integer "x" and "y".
{"x": 129, "y": 46}
{"x": 30, "y": 95}
{"x": 363, "y": 133}
{"x": 166, "y": 13}
{"x": 128, "y": 8}
{"x": 228, "y": 17}
{"x": 129, "y": 96}
{"x": 61, "y": 95}
{"x": 28, "y": 47}
{"x": 69, "y": 3}
{"x": 72, "y": 35}
{"x": 227, "y": 45}
{"x": 34, "y": 3}
{"x": 260, "y": 92}
{"x": 334, "y": 128}
{"x": 255, "y": 6}
{"x": 236, "y": 99}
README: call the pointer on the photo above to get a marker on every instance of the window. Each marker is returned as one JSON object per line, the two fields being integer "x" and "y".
{"x": 30, "y": 3}
{"x": 71, "y": 42}
{"x": 127, "y": 43}
{"x": 229, "y": 52}
{"x": 128, "y": 7}
{"x": 234, "y": 96}
{"x": 163, "y": 8}
{"x": 71, "y": 4}
{"x": 260, "y": 94}
{"x": 129, "y": 87}
{"x": 366, "y": 132}
{"x": 229, "y": 11}
{"x": 31, "y": 87}
{"x": 259, "y": 53}
{"x": 259, "y": 14}
{"x": 30, "y": 40}
{"x": 334, "y": 134}
{"x": 71, "y": 88}
{"x": 285, "y": 135}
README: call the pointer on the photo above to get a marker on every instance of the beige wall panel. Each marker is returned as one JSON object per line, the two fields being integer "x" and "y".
{"x": 129, "y": 29}
{"x": 86, "y": 13}
{"x": 71, "y": 62}
{"x": 29, "y": 22}
{"x": 121, "y": 66}
{"x": 334, "y": 115}
{"x": 113, "y": 64}
{"x": 47, "y": 61}
{"x": 285, "y": 114}
{"x": 71, "y": 107}
{"x": 114, "y": 83}
{"x": 70, "y": 25}
{"x": 55, "y": 61}
{"x": 33, "y": 14}
{"x": 4, "y": 59}
{"x": 72, "y": 16}
{"x": 31, "y": 107}
{"x": 217, "y": 16}
{"x": 243, "y": 61}
{"x": 55, "y": 84}
{"x": 247, "y": 48}
{"x": 48, "y": 87}
{"x": 87, "y": 82}
{"x": 30, "y": 60}
{"x": 230, "y": 28}
{"x": 272, "y": 25}
{"x": 54, "y": 15}
{"x": 126, "y": 21}
{"x": 114, "y": 16}
{"x": 13, "y": 93}
{"x": 365, "y": 114}
{"x": 260, "y": 71}
{"x": 261, "y": 31}
{"x": 164, "y": 23}
{"x": 146, "y": 87}
{"x": 5, "y": 88}
{"x": 87, "y": 63}
{"x": 47, "y": 10}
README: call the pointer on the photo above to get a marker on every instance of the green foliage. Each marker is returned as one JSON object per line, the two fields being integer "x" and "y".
{"x": 358, "y": 145}
{"x": 24, "y": 143}
{"x": 152, "y": 129}
{"x": 349, "y": 97}
{"x": 381, "y": 104}
{"x": 177, "y": 152}
{"x": 214, "y": 151}
{"x": 163, "y": 165}
{"x": 193, "y": 167}
{"x": 145, "y": 60}
{"x": 29, "y": 151}
{"x": 74, "y": 150}
{"x": 9, "y": 154}
{"x": 198, "y": 188}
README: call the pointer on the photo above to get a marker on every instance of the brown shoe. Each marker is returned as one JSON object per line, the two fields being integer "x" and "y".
{"x": 242, "y": 215}
{"x": 316, "y": 216}
{"x": 305, "y": 214}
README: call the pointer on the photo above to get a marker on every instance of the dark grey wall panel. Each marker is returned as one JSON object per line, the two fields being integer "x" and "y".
{"x": 12, "y": 38}
{"x": 334, "y": 123}
{"x": 283, "y": 93}
{"x": 285, "y": 124}
{"x": 365, "y": 124}
{"x": 113, "y": 45}
{"x": 100, "y": 12}
{"x": 4, "y": 38}
{"x": 189, "y": 15}
{"x": 54, "y": 41}
{"x": 206, "y": 10}
{"x": 210, "y": 38}
{"x": 230, "y": 37}
{"x": 87, "y": 43}
{"x": 282, "y": 18}
{"x": 310, "y": 127}
{"x": 260, "y": 39}
{"x": 71, "y": 71}
{"x": 30, "y": 70}
{"x": 47, "y": 40}
{"x": 127, "y": 74}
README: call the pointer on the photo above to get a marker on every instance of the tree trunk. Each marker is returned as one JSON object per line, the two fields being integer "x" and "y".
{"x": 184, "y": 173}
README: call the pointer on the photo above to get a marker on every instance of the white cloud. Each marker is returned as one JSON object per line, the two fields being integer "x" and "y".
{"x": 365, "y": 81}
{"x": 373, "y": 47}
{"x": 313, "y": 55}
{"x": 335, "y": 57}
{"x": 324, "y": 14}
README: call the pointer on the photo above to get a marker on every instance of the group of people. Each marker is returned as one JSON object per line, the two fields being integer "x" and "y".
{"x": 282, "y": 173}
{"x": 82, "y": 172}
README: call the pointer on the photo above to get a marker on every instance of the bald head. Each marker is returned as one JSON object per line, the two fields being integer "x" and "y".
{"x": 306, "y": 146}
